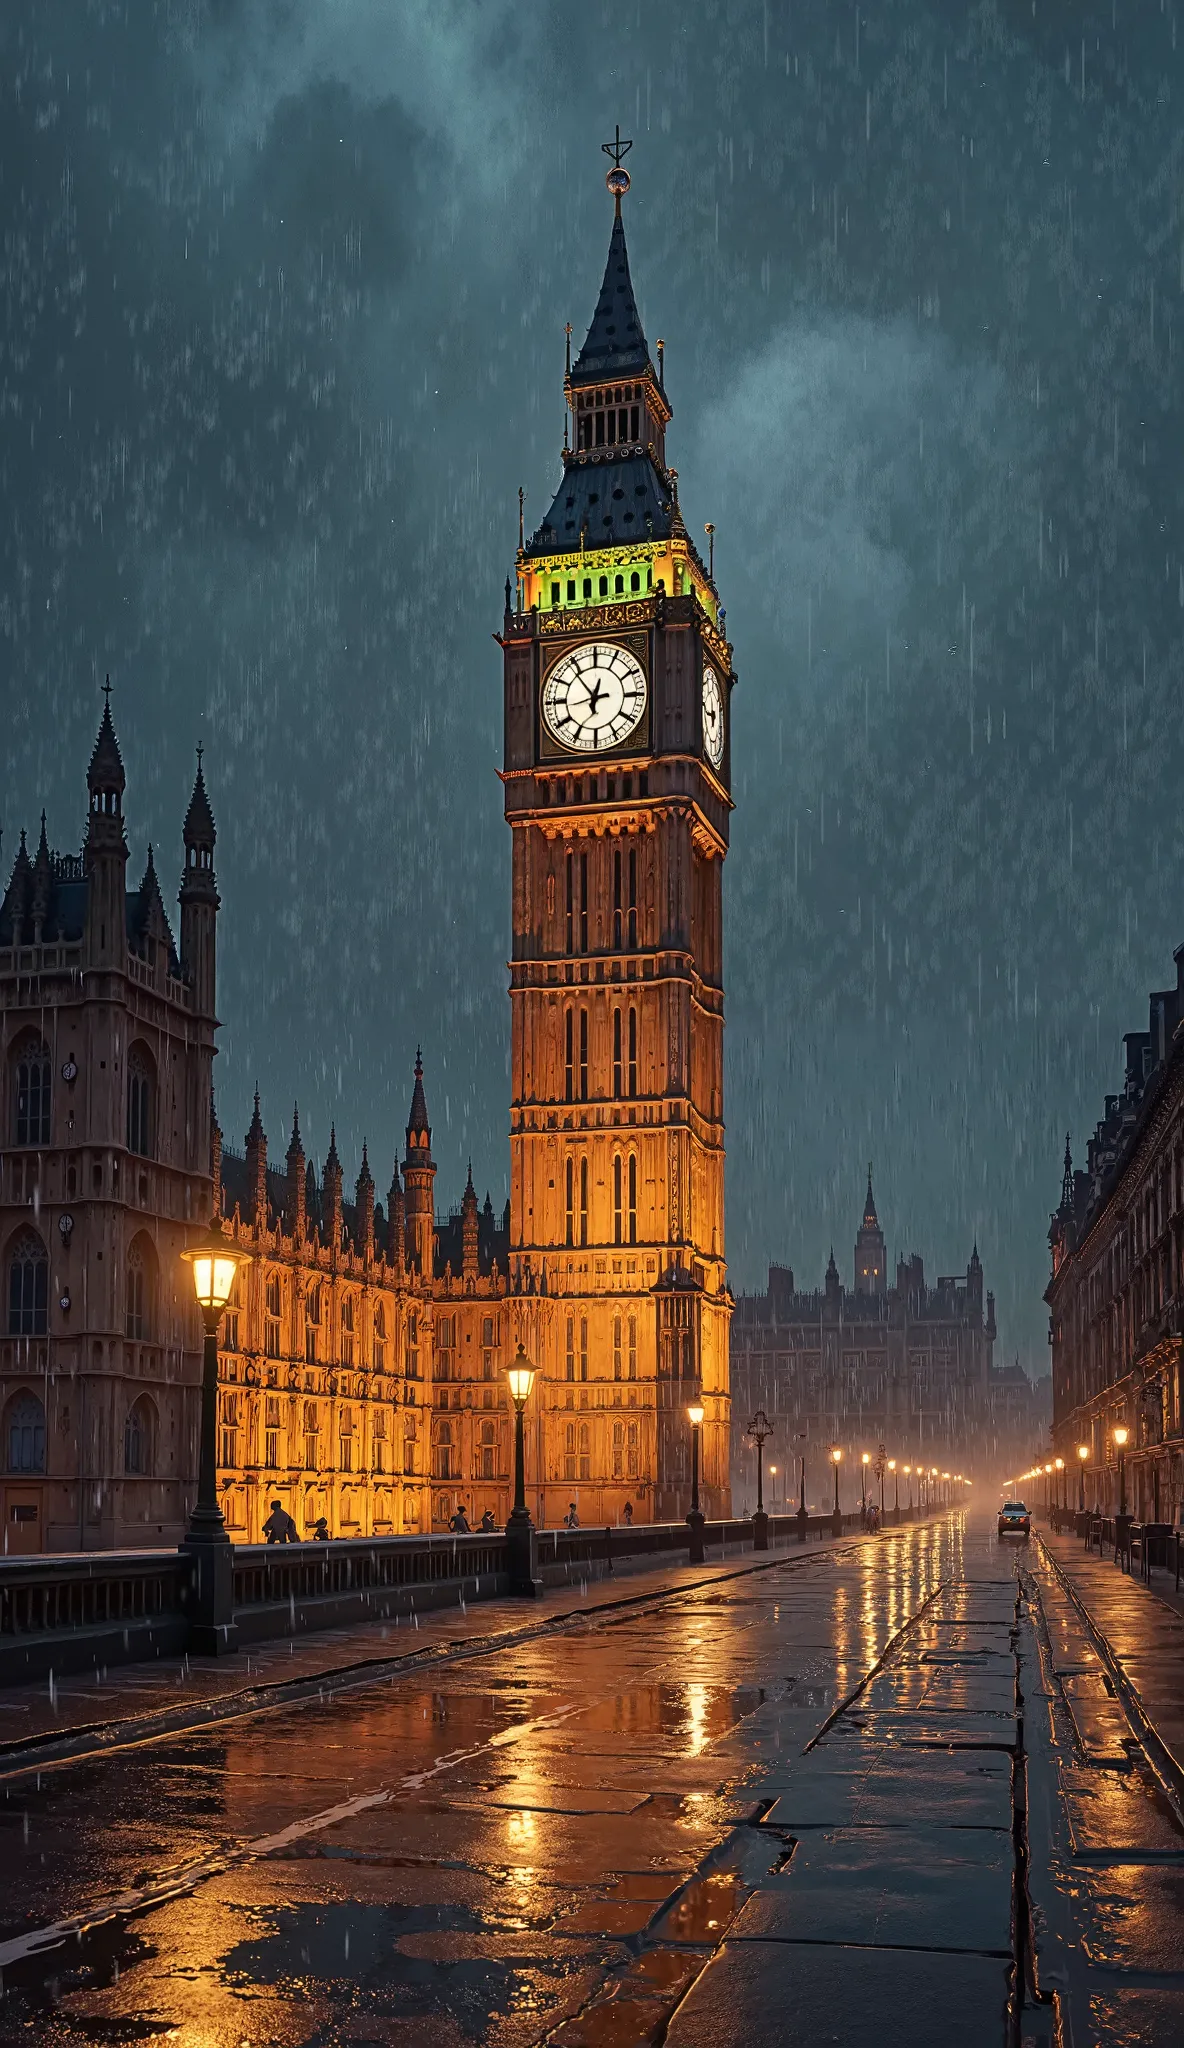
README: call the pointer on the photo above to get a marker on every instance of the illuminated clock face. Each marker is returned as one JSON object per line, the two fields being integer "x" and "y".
{"x": 713, "y": 716}
{"x": 594, "y": 697}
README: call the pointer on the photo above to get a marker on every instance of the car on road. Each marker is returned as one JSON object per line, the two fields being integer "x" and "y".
{"x": 1014, "y": 1519}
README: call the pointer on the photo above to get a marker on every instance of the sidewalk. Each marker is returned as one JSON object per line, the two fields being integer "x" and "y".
{"x": 131, "y": 1702}
{"x": 1139, "y": 1632}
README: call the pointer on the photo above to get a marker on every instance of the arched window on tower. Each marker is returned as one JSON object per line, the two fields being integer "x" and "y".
{"x": 632, "y": 1236}
{"x": 28, "y": 1286}
{"x": 618, "y": 1063}
{"x": 618, "y": 1364}
{"x": 618, "y": 1203}
{"x": 379, "y": 1337}
{"x": 583, "y": 1201}
{"x": 347, "y": 1329}
{"x": 583, "y": 1055}
{"x": 31, "y": 1088}
{"x": 583, "y": 1347}
{"x": 138, "y": 1291}
{"x": 141, "y": 1102}
{"x": 569, "y": 1059}
{"x": 569, "y": 1199}
{"x": 632, "y": 1072}
{"x": 570, "y": 1354}
{"x": 24, "y": 1434}
{"x": 139, "y": 1436}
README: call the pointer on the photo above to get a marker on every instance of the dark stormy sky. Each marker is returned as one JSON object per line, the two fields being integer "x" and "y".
{"x": 284, "y": 286}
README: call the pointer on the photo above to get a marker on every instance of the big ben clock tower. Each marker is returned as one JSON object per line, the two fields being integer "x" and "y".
{"x": 618, "y": 680}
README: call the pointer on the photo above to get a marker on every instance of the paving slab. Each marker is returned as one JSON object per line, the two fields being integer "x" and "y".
{"x": 795, "y": 1995}
{"x": 874, "y": 1887}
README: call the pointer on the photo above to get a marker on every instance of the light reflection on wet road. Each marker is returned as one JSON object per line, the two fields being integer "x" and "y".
{"x": 558, "y": 1836}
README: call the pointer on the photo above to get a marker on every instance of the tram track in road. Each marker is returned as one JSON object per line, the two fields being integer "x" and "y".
{"x": 35, "y": 1954}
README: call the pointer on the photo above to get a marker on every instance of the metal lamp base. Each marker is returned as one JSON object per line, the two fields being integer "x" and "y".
{"x": 695, "y": 1523}
{"x": 213, "y": 1631}
{"x": 760, "y": 1530}
{"x": 522, "y": 1556}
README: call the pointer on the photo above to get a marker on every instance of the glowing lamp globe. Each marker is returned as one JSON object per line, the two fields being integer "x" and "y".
{"x": 1083, "y": 1452}
{"x": 521, "y": 1378}
{"x": 1120, "y": 1435}
{"x": 214, "y": 1265}
{"x": 837, "y": 1455}
{"x": 695, "y": 1414}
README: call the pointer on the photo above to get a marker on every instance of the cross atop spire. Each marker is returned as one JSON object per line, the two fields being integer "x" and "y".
{"x": 617, "y": 179}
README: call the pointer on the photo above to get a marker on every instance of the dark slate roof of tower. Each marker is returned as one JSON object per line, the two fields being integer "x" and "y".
{"x": 106, "y": 763}
{"x": 610, "y": 502}
{"x": 199, "y": 829}
{"x": 615, "y": 344}
{"x": 145, "y": 906}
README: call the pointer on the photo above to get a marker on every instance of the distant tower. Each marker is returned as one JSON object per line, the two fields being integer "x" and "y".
{"x": 199, "y": 898}
{"x": 105, "y": 851}
{"x": 419, "y": 1175}
{"x": 870, "y": 1276}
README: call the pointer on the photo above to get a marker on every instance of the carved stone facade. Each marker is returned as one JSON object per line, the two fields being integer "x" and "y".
{"x": 909, "y": 1366}
{"x": 107, "y": 1040}
{"x": 620, "y": 830}
{"x": 1116, "y": 1296}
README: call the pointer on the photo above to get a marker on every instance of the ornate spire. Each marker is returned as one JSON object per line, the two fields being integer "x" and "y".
{"x": 257, "y": 1168}
{"x": 105, "y": 776}
{"x": 615, "y": 345}
{"x": 365, "y": 1206}
{"x": 870, "y": 1219}
{"x": 42, "y": 884}
{"x": 295, "y": 1213}
{"x": 1067, "y": 1181}
{"x": 199, "y": 830}
{"x": 419, "y": 1131}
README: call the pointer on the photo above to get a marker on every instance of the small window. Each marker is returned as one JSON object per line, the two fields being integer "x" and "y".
{"x": 25, "y": 1435}
{"x": 587, "y": 589}
{"x": 271, "y": 1319}
{"x": 554, "y": 593}
{"x": 604, "y": 586}
{"x": 32, "y": 1094}
{"x": 137, "y": 1437}
{"x": 618, "y": 586}
{"x": 28, "y": 1287}
{"x": 571, "y": 590}
{"x": 136, "y": 1304}
{"x": 635, "y": 581}
{"x": 140, "y": 1103}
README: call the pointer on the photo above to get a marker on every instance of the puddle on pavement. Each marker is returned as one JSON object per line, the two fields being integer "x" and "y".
{"x": 706, "y": 1908}
{"x": 693, "y": 1714}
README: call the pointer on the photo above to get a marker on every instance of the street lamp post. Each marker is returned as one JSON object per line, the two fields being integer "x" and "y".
{"x": 908, "y": 1473}
{"x": 695, "y": 1518}
{"x": 212, "y": 1628}
{"x": 802, "y": 1517}
{"x": 758, "y": 1430}
{"x": 896, "y": 1484}
{"x": 864, "y": 1462}
{"x": 1082, "y": 1455}
{"x": 521, "y": 1540}
{"x": 836, "y": 1518}
{"x": 1121, "y": 1433}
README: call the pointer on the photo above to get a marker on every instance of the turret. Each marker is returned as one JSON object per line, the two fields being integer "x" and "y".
{"x": 294, "y": 1209}
{"x": 331, "y": 1231}
{"x": 257, "y": 1170}
{"x": 199, "y": 899}
{"x": 364, "y": 1198}
{"x": 419, "y": 1175}
{"x": 105, "y": 851}
{"x": 468, "y": 1228}
{"x": 42, "y": 885}
{"x": 833, "y": 1289}
{"x": 396, "y": 1225}
{"x": 19, "y": 895}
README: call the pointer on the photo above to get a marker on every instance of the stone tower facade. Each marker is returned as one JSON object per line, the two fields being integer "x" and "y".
{"x": 108, "y": 1045}
{"x": 618, "y": 679}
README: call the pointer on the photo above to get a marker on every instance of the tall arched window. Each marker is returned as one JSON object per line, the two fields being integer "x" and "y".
{"x": 618, "y": 1063}
{"x": 139, "y": 1437}
{"x": 583, "y": 1055}
{"x": 633, "y": 1198}
{"x": 28, "y": 1287}
{"x": 570, "y": 1199}
{"x": 569, "y": 1056}
{"x": 571, "y": 1348}
{"x": 632, "y": 1072}
{"x": 347, "y": 1329}
{"x": 32, "y": 1085}
{"x": 24, "y": 1434}
{"x": 618, "y": 1203}
{"x": 379, "y": 1337}
{"x": 272, "y": 1309}
{"x": 141, "y": 1102}
{"x": 583, "y": 1201}
{"x": 312, "y": 1324}
{"x": 138, "y": 1291}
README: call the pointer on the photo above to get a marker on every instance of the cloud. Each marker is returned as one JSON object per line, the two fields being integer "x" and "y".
{"x": 838, "y": 453}
{"x": 454, "y": 66}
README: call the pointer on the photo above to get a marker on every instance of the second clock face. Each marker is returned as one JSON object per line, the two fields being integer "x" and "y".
{"x": 713, "y": 716}
{"x": 594, "y": 697}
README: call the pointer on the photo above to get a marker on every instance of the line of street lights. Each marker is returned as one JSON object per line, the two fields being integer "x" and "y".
{"x": 1054, "y": 1473}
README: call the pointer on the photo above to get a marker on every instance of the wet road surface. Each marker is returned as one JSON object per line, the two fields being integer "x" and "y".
{"x": 793, "y": 1805}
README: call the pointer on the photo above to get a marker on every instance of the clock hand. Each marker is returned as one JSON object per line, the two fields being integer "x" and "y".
{"x": 594, "y": 697}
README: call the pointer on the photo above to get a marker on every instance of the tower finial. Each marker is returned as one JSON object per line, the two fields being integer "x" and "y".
{"x": 567, "y": 356}
{"x": 617, "y": 179}
{"x": 107, "y": 692}
{"x": 521, "y": 502}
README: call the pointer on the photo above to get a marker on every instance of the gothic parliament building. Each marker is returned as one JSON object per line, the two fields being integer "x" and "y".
{"x": 362, "y": 1361}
